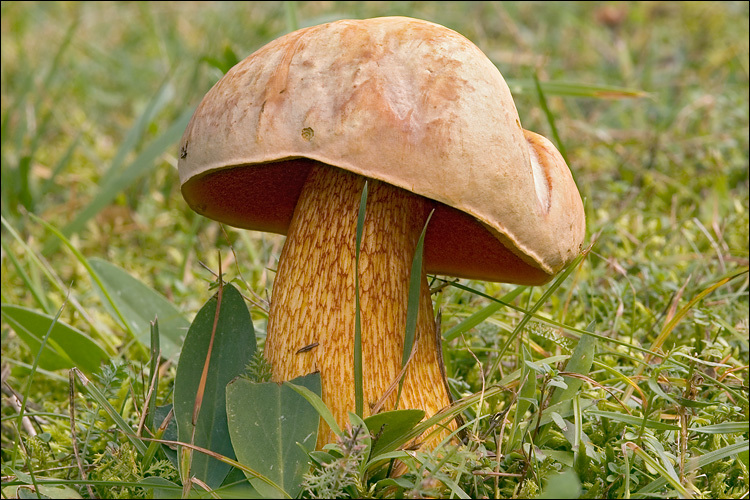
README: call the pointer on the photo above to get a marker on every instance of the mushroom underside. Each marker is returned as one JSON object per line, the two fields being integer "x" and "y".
{"x": 263, "y": 197}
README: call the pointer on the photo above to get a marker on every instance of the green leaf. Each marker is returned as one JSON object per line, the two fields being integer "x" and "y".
{"x": 232, "y": 349}
{"x": 139, "y": 304}
{"x": 563, "y": 485}
{"x": 391, "y": 428}
{"x": 66, "y": 346}
{"x": 158, "y": 487}
{"x": 314, "y": 399}
{"x": 267, "y": 421}
{"x": 723, "y": 428}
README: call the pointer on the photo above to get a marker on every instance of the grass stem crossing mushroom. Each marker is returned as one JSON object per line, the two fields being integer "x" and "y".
{"x": 284, "y": 143}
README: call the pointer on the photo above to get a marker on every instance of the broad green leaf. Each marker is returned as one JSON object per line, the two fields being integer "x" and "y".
{"x": 61, "y": 491}
{"x": 66, "y": 346}
{"x": 563, "y": 485}
{"x": 232, "y": 349}
{"x": 268, "y": 422}
{"x": 139, "y": 304}
{"x": 390, "y": 428}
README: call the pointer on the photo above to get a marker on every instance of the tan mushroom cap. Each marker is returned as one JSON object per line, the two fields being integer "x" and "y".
{"x": 401, "y": 100}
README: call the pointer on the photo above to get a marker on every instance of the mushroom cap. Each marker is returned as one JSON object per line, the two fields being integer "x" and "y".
{"x": 403, "y": 101}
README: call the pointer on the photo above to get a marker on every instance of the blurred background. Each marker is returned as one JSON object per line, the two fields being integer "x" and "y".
{"x": 647, "y": 100}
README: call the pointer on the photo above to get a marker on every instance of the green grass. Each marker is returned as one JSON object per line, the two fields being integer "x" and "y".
{"x": 649, "y": 101}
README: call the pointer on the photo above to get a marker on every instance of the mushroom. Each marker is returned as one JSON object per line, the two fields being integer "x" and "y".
{"x": 285, "y": 141}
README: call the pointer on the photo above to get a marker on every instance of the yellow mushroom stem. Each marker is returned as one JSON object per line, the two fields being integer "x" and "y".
{"x": 312, "y": 315}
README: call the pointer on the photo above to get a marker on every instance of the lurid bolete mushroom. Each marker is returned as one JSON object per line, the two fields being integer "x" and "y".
{"x": 284, "y": 143}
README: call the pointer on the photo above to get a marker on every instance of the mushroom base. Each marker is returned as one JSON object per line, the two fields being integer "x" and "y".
{"x": 312, "y": 315}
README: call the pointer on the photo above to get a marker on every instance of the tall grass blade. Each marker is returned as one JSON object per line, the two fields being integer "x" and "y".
{"x": 574, "y": 89}
{"x": 665, "y": 475}
{"x": 163, "y": 95}
{"x": 319, "y": 406}
{"x": 358, "y": 382}
{"x": 61, "y": 164}
{"x": 412, "y": 308}
{"x": 526, "y": 396}
{"x": 698, "y": 462}
{"x": 530, "y": 313}
{"x": 36, "y": 293}
{"x": 580, "y": 362}
{"x": 484, "y": 313}
{"x": 290, "y": 14}
{"x": 551, "y": 120}
{"x": 102, "y": 401}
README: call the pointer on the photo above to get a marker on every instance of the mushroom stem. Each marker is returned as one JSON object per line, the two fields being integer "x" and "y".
{"x": 312, "y": 315}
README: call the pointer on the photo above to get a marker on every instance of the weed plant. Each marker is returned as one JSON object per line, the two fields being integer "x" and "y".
{"x": 627, "y": 377}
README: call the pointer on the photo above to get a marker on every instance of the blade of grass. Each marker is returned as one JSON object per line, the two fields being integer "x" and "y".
{"x": 665, "y": 476}
{"x": 319, "y": 406}
{"x": 481, "y": 315}
{"x": 633, "y": 420}
{"x": 97, "y": 395}
{"x": 575, "y": 89}
{"x": 39, "y": 297}
{"x": 290, "y": 14}
{"x": 698, "y": 462}
{"x": 580, "y": 362}
{"x": 358, "y": 383}
{"x": 153, "y": 386}
{"x": 61, "y": 164}
{"x": 551, "y": 120}
{"x": 163, "y": 95}
{"x": 412, "y": 308}
{"x": 526, "y": 393}
{"x": 529, "y": 314}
